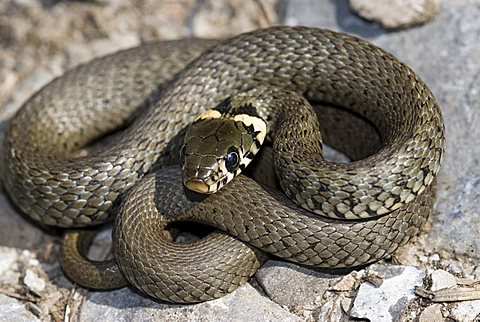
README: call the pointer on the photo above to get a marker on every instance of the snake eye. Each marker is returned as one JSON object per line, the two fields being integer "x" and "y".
{"x": 232, "y": 159}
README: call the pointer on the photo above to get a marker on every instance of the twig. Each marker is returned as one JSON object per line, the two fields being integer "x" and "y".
{"x": 68, "y": 310}
{"x": 18, "y": 296}
{"x": 453, "y": 294}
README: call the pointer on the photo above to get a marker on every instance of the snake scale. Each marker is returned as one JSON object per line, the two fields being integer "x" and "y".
{"x": 342, "y": 215}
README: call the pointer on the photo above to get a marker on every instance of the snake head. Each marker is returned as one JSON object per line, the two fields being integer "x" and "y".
{"x": 218, "y": 147}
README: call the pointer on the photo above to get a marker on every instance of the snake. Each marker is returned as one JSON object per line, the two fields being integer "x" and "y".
{"x": 229, "y": 96}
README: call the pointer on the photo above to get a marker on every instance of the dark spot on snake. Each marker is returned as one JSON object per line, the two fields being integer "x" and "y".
{"x": 278, "y": 68}
{"x": 248, "y": 109}
{"x": 224, "y": 107}
{"x": 323, "y": 188}
{"x": 249, "y": 155}
{"x": 250, "y": 129}
{"x": 239, "y": 126}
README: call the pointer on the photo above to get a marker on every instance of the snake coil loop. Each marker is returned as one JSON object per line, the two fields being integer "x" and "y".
{"x": 343, "y": 214}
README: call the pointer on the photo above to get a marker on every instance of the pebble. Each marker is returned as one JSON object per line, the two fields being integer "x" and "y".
{"x": 33, "y": 282}
{"x": 392, "y": 14}
{"x": 349, "y": 282}
{"x": 8, "y": 257}
{"x": 435, "y": 257}
{"x": 432, "y": 313}
{"x": 455, "y": 268}
{"x": 332, "y": 310}
{"x": 442, "y": 279}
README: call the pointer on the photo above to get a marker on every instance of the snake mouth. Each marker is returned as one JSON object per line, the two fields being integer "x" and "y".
{"x": 198, "y": 186}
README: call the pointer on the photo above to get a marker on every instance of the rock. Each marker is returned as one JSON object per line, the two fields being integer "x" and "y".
{"x": 102, "y": 244}
{"x": 13, "y": 310}
{"x": 333, "y": 155}
{"x": 220, "y": 18}
{"x": 466, "y": 311}
{"x": 442, "y": 279}
{"x": 245, "y": 304}
{"x": 299, "y": 12}
{"x": 335, "y": 15}
{"x": 432, "y": 313}
{"x": 33, "y": 282}
{"x": 396, "y": 13}
{"x": 339, "y": 298}
{"x": 292, "y": 286}
{"x": 387, "y": 301}
{"x": 8, "y": 257}
{"x": 349, "y": 282}
{"x": 332, "y": 311}
{"x": 455, "y": 268}
{"x": 10, "y": 260}
{"x": 435, "y": 258}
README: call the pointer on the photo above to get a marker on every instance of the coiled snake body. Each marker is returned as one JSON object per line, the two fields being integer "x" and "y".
{"x": 353, "y": 213}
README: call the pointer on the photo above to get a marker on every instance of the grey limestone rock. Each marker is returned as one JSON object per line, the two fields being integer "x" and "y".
{"x": 245, "y": 304}
{"x": 396, "y": 13}
{"x": 12, "y": 310}
{"x": 299, "y": 289}
{"x": 386, "y": 297}
{"x": 466, "y": 311}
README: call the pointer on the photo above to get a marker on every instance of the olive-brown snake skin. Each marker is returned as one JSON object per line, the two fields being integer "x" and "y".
{"x": 373, "y": 205}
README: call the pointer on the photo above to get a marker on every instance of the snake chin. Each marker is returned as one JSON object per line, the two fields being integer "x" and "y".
{"x": 198, "y": 186}
{"x": 209, "y": 184}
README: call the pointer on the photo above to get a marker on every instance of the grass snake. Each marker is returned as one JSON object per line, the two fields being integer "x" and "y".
{"x": 338, "y": 215}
